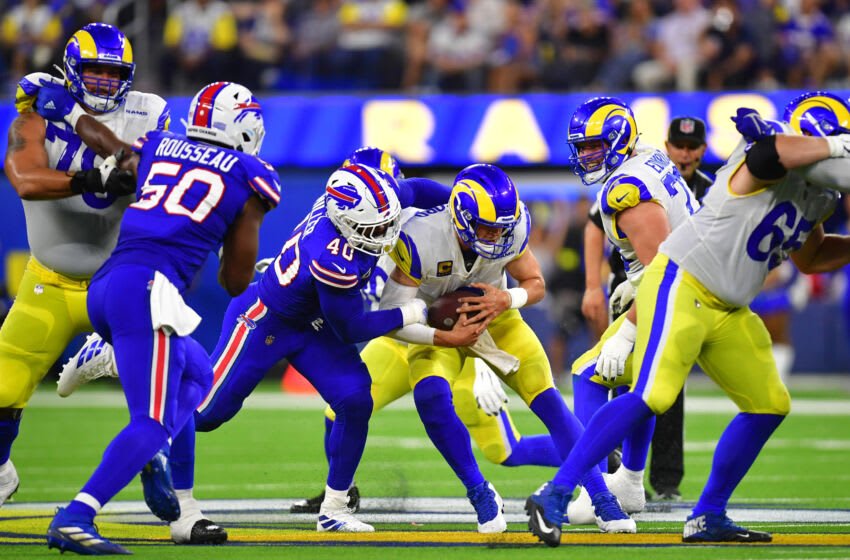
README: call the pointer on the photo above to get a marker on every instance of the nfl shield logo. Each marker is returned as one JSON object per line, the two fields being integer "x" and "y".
{"x": 687, "y": 126}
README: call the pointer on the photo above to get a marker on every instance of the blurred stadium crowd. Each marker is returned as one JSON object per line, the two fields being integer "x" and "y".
{"x": 453, "y": 45}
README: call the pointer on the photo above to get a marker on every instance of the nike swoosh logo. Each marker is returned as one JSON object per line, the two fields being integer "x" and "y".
{"x": 339, "y": 268}
{"x": 622, "y": 197}
{"x": 542, "y": 523}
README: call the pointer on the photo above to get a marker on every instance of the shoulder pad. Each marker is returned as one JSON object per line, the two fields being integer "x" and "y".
{"x": 406, "y": 257}
{"x": 621, "y": 192}
{"x": 334, "y": 270}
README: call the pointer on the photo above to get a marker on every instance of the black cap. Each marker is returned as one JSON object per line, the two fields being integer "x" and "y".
{"x": 686, "y": 130}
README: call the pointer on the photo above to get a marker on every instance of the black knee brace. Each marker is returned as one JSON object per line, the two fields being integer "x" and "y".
{"x": 763, "y": 160}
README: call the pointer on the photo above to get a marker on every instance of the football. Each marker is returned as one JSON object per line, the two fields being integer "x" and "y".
{"x": 442, "y": 314}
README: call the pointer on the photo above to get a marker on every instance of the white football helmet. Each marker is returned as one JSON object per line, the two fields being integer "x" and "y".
{"x": 362, "y": 203}
{"x": 228, "y": 114}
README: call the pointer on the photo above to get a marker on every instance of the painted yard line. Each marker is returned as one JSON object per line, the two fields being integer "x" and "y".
{"x": 283, "y": 401}
{"x": 432, "y": 510}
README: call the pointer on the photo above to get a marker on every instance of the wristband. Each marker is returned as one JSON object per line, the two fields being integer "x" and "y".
{"x": 628, "y": 330}
{"x": 75, "y": 115}
{"x": 519, "y": 297}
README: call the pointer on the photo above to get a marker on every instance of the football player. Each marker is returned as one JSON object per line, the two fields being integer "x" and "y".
{"x": 767, "y": 204}
{"x": 195, "y": 193}
{"x": 479, "y": 399}
{"x": 643, "y": 197}
{"x": 72, "y": 212}
{"x": 481, "y": 235}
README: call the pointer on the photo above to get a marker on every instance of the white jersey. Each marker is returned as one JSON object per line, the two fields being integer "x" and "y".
{"x": 429, "y": 252}
{"x": 75, "y": 235}
{"x": 648, "y": 175}
{"x": 734, "y": 241}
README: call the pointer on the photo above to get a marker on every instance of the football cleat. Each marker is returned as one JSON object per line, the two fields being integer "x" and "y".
{"x": 312, "y": 505}
{"x": 717, "y": 527}
{"x": 490, "y": 508}
{"x": 80, "y": 536}
{"x": 196, "y": 529}
{"x": 627, "y": 485}
{"x": 545, "y": 509}
{"x": 94, "y": 359}
{"x": 158, "y": 488}
{"x": 9, "y": 481}
{"x": 610, "y": 517}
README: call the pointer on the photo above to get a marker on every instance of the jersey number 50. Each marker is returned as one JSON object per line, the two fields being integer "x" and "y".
{"x": 154, "y": 193}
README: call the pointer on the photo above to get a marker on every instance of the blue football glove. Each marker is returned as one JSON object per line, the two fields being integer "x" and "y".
{"x": 28, "y": 88}
{"x": 54, "y": 102}
{"x": 751, "y": 126}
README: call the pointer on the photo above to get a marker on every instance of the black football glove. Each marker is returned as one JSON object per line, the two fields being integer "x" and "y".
{"x": 106, "y": 178}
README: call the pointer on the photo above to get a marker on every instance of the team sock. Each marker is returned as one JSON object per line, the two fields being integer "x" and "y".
{"x": 736, "y": 451}
{"x": 537, "y": 450}
{"x": 348, "y": 438}
{"x": 182, "y": 456}
{"x": 433, "y": 397}
{"x": 8, "y": 432}
{"x": 604, "y": 432}
{"x": 588, "y": 397}
{"x": 636, "y": 446}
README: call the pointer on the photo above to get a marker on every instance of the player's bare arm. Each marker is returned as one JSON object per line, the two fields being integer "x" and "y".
{"x": 27, "y": 164}
{"x": 104, "y": 142}
{"x": 526, "y": 271}
{"x": 822, "y": 253}
{"x": 464, "y": 333}
{"x": 769, "y": 159}
{"x": 593, "y": 305}
{"x": 240, "y": 248}
{"x": 646, "y": 225}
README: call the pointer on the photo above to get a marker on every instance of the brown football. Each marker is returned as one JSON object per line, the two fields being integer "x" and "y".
{"x": 442, "y": 314}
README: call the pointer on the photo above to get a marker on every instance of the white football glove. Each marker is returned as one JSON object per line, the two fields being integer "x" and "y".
{"x": 621, "y": 297}
{"x": 611, "y": 362}
{"x": 488, "y": 390}
{"x": 839, "y": 146}
{"x": 262, "y": 264}
{"x": 413, "y": 311}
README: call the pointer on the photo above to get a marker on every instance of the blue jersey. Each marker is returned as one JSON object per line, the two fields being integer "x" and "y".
{"x": 189, "y": 194}
{"x": 315, "y": 253}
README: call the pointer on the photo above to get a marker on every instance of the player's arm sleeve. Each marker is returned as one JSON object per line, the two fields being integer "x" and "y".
{"x": 394, "y": 295}
{"x": 420, "y": 192}
{"x": 594, "y": 216}
{"x": 831, "y": 173}
{"x": 352, "y": 323}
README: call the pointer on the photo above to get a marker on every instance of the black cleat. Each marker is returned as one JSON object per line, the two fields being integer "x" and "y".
{"x": 555, "y": 498}
{"x": 717, "y": 527}
{"x": 207, "y": 532}
{"x": 312, "y": 505}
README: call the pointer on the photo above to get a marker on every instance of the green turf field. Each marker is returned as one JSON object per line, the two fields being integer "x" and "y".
{"x": 273, "y": 451}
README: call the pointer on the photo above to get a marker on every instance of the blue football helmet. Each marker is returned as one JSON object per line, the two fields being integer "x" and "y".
{"x": 607, "y": 120}
{"x": 484, "y": 195}
{"x": 362, "y": 203}
{"x": 371, "y": 156}
{"x": 100, "y": 44}
{"x": 818, "y": 113}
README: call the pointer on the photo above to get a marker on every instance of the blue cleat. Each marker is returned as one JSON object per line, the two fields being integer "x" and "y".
{"x": 610, "y": 517}
{"x": 158, "y": 488}
{"x": 490, "y": 508}
{"x": 79, "y": 536}
{"x": 546, "y": 512}
{"x": 717, "y": 527}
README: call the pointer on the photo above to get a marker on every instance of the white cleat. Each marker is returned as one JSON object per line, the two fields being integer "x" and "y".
{"x": 341, "y": 521}
{"x": 580, "y": 510}
{"x": 9, "y": 481}
{"x": 335, "y": 515}
{"x": 627, "y": 485}
{"x": 489, "y": 507}
{"x": 94, "y": 359}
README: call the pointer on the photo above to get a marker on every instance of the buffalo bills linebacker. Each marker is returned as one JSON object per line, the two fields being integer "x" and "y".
{"x": 767, "y": 205}
{"x": 307, "y": 308}
{"x": 72, "y": 213}
{"x": 195, "y": 192}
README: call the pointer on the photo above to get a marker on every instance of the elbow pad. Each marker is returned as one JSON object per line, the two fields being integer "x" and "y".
{"x": 763, "y": 160}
